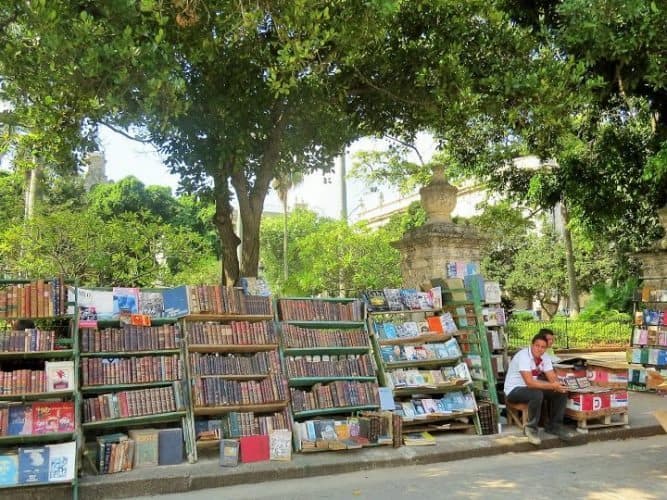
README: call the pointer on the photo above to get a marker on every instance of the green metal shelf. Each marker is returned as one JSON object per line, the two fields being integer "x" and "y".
{"x": 322, "y": 299}
{"x": 419, "y": 339}
{"x": 227, "y": 317}
{"x": 422, "y": 363}
{"x": 123, "y": 354}
{"x": 211, "y": 348}
{"x": 325, "y": 324}
{"x": 258, "y": 408}
{"x": 330, "y": 411}
{"x": 59, "y": 354}
{"x": 308, "y": 381}
{"x": 437, "y": 389}
{"x": 121, "y": 387}
{"x": 403, "y": 311}
{"x": 126, "y": 421}
{"x": 52, "y": 437}
{"x": 437, "y": 417}
{"x": 227, "y": 376}
{"x": 36, "y": 396}
{"x": 310, "y": 351}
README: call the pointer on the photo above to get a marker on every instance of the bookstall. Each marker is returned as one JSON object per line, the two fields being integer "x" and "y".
{"x": 238, "y": 390}
{"x": 39, "y": 410}
{"x": 420, "y": 362}
{"x": 333, "y": 387}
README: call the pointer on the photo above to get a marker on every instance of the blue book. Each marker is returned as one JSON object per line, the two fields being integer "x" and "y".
{"x": 9, "y": 469}
{"x": 20, "y": 420}
{"x": 170, "y": 446}
{"x": 175, "y": 302}
{"x": 34, "y": 465}
{"x": 389, "y": 330}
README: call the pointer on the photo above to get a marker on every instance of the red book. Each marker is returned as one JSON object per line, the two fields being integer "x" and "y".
{"x": 52, "y": 417}
{"x": 434, "y": 324}
{"x": 254, "y": 448}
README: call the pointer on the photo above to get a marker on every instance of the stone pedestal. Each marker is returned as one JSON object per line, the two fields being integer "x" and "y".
{"x": 654, "y": 260}
{"x": 426, "y": 250}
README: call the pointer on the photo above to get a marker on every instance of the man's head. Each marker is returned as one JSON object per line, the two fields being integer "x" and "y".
{"x": 538, "y": 345}
{"x": 549, "y": 334}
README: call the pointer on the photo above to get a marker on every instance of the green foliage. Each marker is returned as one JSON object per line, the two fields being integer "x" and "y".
{"x": 573, "y": 334}
{"x": 610, "y": 302}
{"x": 400, "y": 223}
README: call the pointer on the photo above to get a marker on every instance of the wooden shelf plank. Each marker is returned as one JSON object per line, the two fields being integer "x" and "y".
{"x": 249, "y": 376}
{"x": 36, "y": 396}
{"x": 420, "y": 339}
{"x": 228, "y": 317}
{"x": 308, "y": 381}
{"x": 139, "y": 420}
{"x": 52, "y": 437}
{"x": 125, "y": 354}
{"x": 330, "y": 411}
{"x": 403, "y": 311}
{"x": 325, "y": 324}
{"x": 59, "y": 354}
{"x": 422, "y": 363}
{"x": 208, "y": 348}
{"x": 121, "y": 387}
{"x": 309, "y": 351}
{"x": 437, "y": 389}
{"x": 216, "y": 410}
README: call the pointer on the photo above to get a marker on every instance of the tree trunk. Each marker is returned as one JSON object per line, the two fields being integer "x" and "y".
{"x": 285, "y": 270}
{"x": 31, "y": 192}
{"x": 569, "y": 255}
{"x": 223, "y": 220}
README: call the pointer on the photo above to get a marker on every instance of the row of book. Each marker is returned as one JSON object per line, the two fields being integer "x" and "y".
{"x": 647, "y": 356}
{"x": 338, "y": 394}
{"x": 134, "y": 403}
{"x": 348, "y": 433}
{"x": 136, "y": 370}
{"x": 215, "y": 364}
{"x": 650, "y": 294}
{"x": 131, "y": 338}
{"x": 236, "y": 424}
{"x": 425, "y": 352}
{"x": 649, "y": 336}
{"x": 28, "y": 340}
{"x": 402, "y": 299}
{"x": 221, "y": 392}
{"x": 214, "y": 299}
{"x": 390, "y": 330}
{"x": 23, "y": 382}
{"x": 234, "y": 333}
{"x": 37, "y": 299}
{"x": 34, "y": 465}
{"x": 654, "y": 317}
{"x": 297, "y": 336}
{"x": 458, "y": 374}
{"x": 121, "y": 452}
{"x": 320, "y": 310}
{"x": 305, "y": 366}
{"x": 37, "y": 418}
{"x": 450, "y": 403}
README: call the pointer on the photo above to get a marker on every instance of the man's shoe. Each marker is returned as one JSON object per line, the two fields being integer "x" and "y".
{"x": 562, "y": 433}
{"x": 532, "y": 436}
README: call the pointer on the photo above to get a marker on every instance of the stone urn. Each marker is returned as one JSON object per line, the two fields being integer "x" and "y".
{"x": 438, "y": 197}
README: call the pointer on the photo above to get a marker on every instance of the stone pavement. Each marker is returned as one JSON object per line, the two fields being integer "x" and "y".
{"x": 450, "y": 446}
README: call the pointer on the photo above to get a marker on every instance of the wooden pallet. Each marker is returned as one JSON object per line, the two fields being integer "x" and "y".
{"x": 599, "y": 419}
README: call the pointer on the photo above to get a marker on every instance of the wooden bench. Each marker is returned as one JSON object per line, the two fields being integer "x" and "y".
{"x": 517, "y": 413}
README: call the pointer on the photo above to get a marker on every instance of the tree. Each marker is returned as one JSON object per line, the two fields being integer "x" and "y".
{"x": 282, "y": 187}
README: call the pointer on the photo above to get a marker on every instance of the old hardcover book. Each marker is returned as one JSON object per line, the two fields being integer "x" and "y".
{"x": 254, "y": 448}
{"x": 170, "y": 446}
{"x": 229, "y": 452}
{"x": 145, "y": 447}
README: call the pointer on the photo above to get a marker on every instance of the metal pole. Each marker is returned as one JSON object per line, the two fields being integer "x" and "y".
{"x": 343, "y": 186}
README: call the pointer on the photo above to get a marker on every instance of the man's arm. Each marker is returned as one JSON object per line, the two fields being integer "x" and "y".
{"x": 551, "y": 384}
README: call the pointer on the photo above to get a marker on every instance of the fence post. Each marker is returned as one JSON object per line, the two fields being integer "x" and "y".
{"x": 567, "y": 334}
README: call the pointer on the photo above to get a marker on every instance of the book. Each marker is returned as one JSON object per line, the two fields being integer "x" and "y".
{"x": 62, "y": 462}
{"x": 55, "y": 416}
{"x": 9, "y": 469}
{"x": 386, "y": 398}
{"x": 100, "y": 301}
{"x": 418, "y": 439}
{"x": 33, "y": 465}
{"x": 393, "y": 298}
{"x": 229, "y": 452}
{"x": 19, "y": 420}
{"x": 59, "y": 376}
{"x": 152, "y": 303}
{"x": 170, "y": 446}
{"x": 375, "y": 300}
{"x": 125, "y": 301}
{"x": 175, "y": 301}
{"x": 145, "y": 447}
{"x": 254, "y": 448}
{"x": 280, "y": 445}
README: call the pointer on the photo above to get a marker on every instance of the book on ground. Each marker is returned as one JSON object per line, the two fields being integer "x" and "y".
{"x": 229, "y": 452}
{"x": 280, "y": 445}
{"x": 145, "y": 447}
{"x": 170, "y": 446}
{"x": 254, "y": 448}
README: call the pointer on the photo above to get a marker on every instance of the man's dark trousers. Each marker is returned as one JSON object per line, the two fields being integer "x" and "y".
{"x": 534, "y": 398}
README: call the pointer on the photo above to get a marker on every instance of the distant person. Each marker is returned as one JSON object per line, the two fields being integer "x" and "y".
{"x": 551, "y": 337}
{"x": 531, "y": 379}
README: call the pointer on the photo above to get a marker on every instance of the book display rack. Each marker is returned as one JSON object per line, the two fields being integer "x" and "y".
{"x": 647, "y": 353}
{"x": 236, "y": 386}
{"x": 331, "y": 377}
{"x": 39, "y": 397}
{"x": 420, "y": 362}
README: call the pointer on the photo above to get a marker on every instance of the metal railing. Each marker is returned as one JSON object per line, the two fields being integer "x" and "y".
{"x": 572, "y": 334}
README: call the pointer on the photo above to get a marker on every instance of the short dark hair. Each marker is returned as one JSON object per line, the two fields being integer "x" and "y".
{"x": 540, "y": 336}
{"x": 546, "y": 331}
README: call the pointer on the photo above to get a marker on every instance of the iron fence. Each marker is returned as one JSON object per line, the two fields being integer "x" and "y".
{"x": 572, "y": 333}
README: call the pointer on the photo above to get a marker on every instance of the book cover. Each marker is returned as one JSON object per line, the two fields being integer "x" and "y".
{"x": 101, "y": 301}
{"x": 59, "y": 376}
{"x": 145, "y": 447}
{"x": 254, "y": 448}
{"x": 386, "y": 398}
{"x": 33, "y": 465}
{"x": 49, "y": 417}
{"x": 393, "y": 297}
{"x": 436, "y": 297}
{"x": 62, "y": 462}
{"x": 170, "y": 446}
{"x": 175, "y": 302}
{"x": 125, "y": 301}
{"x": 492, "y": 292}
{"x": 152, "y": 303}
{"x": 434, "y": 324}
{"x": 280, "y": 445}
{"x": 9, "y": 469}
{"x": 20, "y": 420}
{"x": 375, "y": 300}
{"x": 389, "y": 330}
{"x": 229, "y": 452}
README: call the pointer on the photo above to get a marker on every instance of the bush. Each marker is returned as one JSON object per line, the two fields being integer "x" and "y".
{"x": 573, "y": 334}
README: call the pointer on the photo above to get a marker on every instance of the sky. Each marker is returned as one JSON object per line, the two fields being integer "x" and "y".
{"x": 322, "y": 194}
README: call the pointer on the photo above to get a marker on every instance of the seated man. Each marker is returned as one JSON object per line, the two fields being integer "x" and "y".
{"x": 530, "y": 379}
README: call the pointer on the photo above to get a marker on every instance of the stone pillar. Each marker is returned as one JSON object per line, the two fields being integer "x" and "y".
{"x": 426, "y": 250}
{"x": 654, "y": 259}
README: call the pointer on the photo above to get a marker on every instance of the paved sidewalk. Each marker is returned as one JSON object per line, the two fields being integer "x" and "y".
{"x": 450, "y": 446}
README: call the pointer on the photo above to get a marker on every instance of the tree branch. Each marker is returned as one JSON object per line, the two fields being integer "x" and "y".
{"x": 125, "y": 134}
{"x": 407, "y": 145}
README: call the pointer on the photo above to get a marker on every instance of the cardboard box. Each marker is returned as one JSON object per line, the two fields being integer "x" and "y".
{"x": 619, "y": 399}
{"x": 589, "y": 402}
